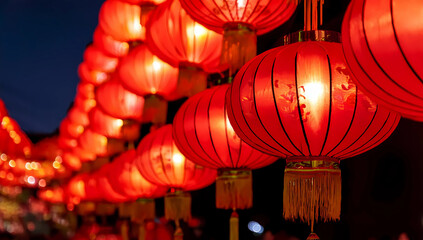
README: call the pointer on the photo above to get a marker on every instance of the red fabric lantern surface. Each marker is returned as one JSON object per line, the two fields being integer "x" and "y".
{"x": 78, "y": 116}
{"x": 52, "y": 195}
{"x": 66, "y": 142}
{"x": 99, "y": 144}
{"x": 47, "y": 149}
{"x": 125, "y": 179}
{"x": 70, "y": 129}
{"x": 113, "y": 127}
{"x": 180, "y": 41}
{"x": 160, "y": 162}
{"x": 83, "y": 154}
{"x": 71, "y": 161}
{"x": 109, "y": 45}
{"x": 118, "y": 102}
{"x": 144, "y": 73}
{"x": 203, "y": 133}
{"x": 385, "y": 56}
{"x": 121, "y": 20}
{"x": 156, "y": 2}
{"x": 83, "y": 103}
{"x": 98, "y": 60}
{"x": 300, "y": 101}
{"x": 76, "y": 186}
{"x": 86, "y": 90}
{"x": 88, "y": 75}
{"x": 103, "y": 183}
{"x": 261, "y": 16}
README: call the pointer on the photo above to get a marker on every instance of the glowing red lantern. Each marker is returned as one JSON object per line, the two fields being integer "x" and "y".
{"x": 99, "y": 144}
{"x": 78, "y": 116}
{"x": 180, "y": 41}
{"x": 88, "y": 75}
{"x": 118, "y": 102}
{"x": 144, "y": 73}
{"x": 98, "y": 60}
{"x": 52, "y": 195}
{"x": 121, "y": 20}
{"x": 72, "y": 161}
{"x": 76, "y": 186}
{"x": 240, "y": 21}
{"x": 70, "y": 129}
{"x": 381, "y": 41}
{"x": 160, "y": 162}
{"x": 83, "y": 103}
{"x": 103, "y": 184}
{"x": 66, "y": 142}
{"x": 86, "y": 90}
{"x": 131, "y": 183}
{"x": 300, "y": 101}
{"x": 113, "y": 127}
{"x": 109, "y": 45}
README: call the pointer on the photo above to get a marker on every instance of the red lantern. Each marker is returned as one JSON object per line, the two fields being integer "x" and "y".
{"x": 72, "y": 161}
{"x": 144, "y": 73}
{"x": 160, "y": 162}
{"x": 240, "y": 20}
{"x": 118, "y": 102}
{"x": 381, "y": 41}
{"x": 300, "y": 100}
{"x": 83, "y": 103}
{"x": 88, "y": 75}
{"x": 130, "y": 183}
{"x": 109, "y": 45}
{"x": 52, "y": 195}
{"x": 98, "y": 60}
{"x": 70, "y": 129}
{"x": 86, "y": 90}
{"x": 121, "y": 20}
{"x": 113, "y": 127}
{"x": 78, "y": 116}
{"x": 180, "y": 41}
{"x": 76, "y": 186}
{"x": 99, "y": 144}
{"x": 66, "y": 142}
{"x": 103, "y": 184}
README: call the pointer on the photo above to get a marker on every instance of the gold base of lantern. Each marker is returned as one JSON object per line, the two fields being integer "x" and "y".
{"x": 178, "y": 206}
{"x": 155, "y": 110}
{"x": 312, "y": 189}
{"x": 126, "y": 209}
{"x": 234, "y": 189}
{"x": 239, "y": 46}
{"x": 142, "y": 210}
{"x": 85, "y": 208}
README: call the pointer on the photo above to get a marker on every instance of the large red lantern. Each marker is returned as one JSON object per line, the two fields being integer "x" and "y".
{"x": 98, "y": 60}
{"x": 144, "y": 73}
{"x": 160, "y": 162}
{"x": 121, "y": 20}
{"x": 300, "y": 101}
{"x": 203, "y": 133}
{"x": 381, "y": 41}
{"x": 118, "y": 102}
{"x": 109, "y": 45}
{"x": 240, "y": 21}
{"x": 180, "y": 41}
{"x": 112, "y": 127}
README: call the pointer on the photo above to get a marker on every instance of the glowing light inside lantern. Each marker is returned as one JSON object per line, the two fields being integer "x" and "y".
{"x": 178, "y": 158}
{"x": 313, "y": 91}
{"x": 241, "y": 3}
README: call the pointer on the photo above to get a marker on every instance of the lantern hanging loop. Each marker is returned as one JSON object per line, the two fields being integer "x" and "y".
{"x": 313, "y": 14}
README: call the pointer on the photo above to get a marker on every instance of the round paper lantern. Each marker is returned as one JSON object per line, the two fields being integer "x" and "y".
{"x": 240, "y": 21}
{"x": 71, "y": 161}
{"x": 130, "y": 183}
{"x": 180, "y": 41}
{"x": 381, "y": 41}
{"x": 83, "y": 103}
{"x": 121, "y": 20}
{"x": 66, "y": 142}
{"x": 113, "y": 127}
{"x": 118, "y": 102}
{"x": 109, "y": 45}
{"x": 78, "y": 116}
{"x": 52, "y": 195}
{"x": 103, "y": 184}
{"x": 144, "y": 73}
{"x": 300, "y": 101}
{"x": 86, "y": 90}
{"x": 99, "y": 144}
{"x": 94, "y": 77}
{"x": 98, "y": 60}
{"x": 160, "y": 162}
{"x": 76, "y": 186}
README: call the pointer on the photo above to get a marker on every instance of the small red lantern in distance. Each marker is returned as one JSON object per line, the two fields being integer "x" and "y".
{"x": 300, "y": 101}
{"x": 144, "y": 73}
{"x": 240, "y": 21}
{"x": 100, "y": 145}
{"x": 88, "y": 75}
{"x": 103, "y": 184}
{"x": 118, "y": 102}
{"x": 109, "y": 45}
{"x": 385, "y": 56}
{"x": 98, "y": 60}
{"x": 121, "y": 20}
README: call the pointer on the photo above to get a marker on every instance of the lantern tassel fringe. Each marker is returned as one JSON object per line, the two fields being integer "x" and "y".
{"x": 142, "y": 210}
{"x": 178, "y": 206}
{"x": 310, "y": 195}
{"x": 313, "y": 236}
{"x": 124, "y": 228}
{"x": 191, "y": 80}
{"x": 234, "y": 189}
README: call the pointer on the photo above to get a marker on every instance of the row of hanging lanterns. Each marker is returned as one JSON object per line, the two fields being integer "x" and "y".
{"x": 304, "y": 101}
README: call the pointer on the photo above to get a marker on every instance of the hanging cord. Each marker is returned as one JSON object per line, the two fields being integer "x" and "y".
{"x": 313, "y": 11}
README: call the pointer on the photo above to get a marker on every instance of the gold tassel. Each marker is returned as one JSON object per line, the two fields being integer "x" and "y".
{"x": 313, "y": 236}
{"x": 155, "y": 110}
{"x": 312, "y": 190}
{"x": 234, "y": 189}
{"x": 141, "y": 232}
{"x": 85, "y": 208}
{"x": 125, "y": 209}
{"x": 142, "y": 210}
{"x": 239, "y": 46}
{"x": 234, "y": 226}
{"x": 124, "y": 230}
{"x": 105, "y": 209}
{"x": 191, "y": 80}
{"x": 178, "y": 206}
{"x": 178, "y": 234}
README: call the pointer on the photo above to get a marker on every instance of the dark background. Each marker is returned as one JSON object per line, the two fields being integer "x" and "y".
{"x": 42, "y": 42}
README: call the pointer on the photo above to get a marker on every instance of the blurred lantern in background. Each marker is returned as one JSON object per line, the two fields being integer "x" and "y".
{"x": 203, "y": 133}
{"x": 240, "y": 21}
{"x": 161, "y": 163}
{"x": 99, "y": 144}
{"x": 381, "y": 41}
{"x": 88, "y": 75}
{"x": 180, "y": 41}
{"x": 109, "y": 45}
{"x": 300, "y": 101}
{"x": 98, "y": 60}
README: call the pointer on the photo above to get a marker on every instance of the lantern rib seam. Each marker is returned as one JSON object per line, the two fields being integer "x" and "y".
{"x": 330, "y": 105}
{"x": 227, "y": 139}
{"x": 161, "y": 156}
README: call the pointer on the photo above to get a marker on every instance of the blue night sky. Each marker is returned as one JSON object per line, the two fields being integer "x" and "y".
{"x": 42, "y": 42}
